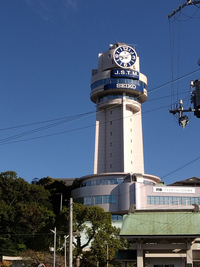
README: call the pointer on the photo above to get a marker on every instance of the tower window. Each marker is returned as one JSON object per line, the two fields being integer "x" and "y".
{"x": 111, "y": 112}
{"x": 131, "y": 130}
{"x": 110, "y": 133}
{"x": 130, "y": 119}
{"x": 110, "y": 166}
{"x": 111, "y": 144}
{"x": 111, "y": 123}
{"x": 131, "y": 140}
{"x": 111, "y": 154}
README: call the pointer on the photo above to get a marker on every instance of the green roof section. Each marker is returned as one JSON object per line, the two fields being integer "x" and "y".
{"x": 161, "y": 223}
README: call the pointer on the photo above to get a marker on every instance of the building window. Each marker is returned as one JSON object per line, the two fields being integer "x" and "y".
{"x": 131, "y": 162}
{"x": 169, "y": 200}
{"x": 111, "y": 154}
{"x": 131, "y": 130}
{"x": 110, "y": 166}
{"x": 111, "y": 144}
{"x": 131, "y": 151}
{"x": 111, "y": 112}
{"x": 116, "y": 217}
{"x": 111, "y": 123}
{"x": 130, "y": 119}
{"x": 110, "y": 133}
{"x": 131, "y": 140}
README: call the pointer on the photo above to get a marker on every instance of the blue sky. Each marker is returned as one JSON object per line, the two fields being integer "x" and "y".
{"x": 48, "y": 49}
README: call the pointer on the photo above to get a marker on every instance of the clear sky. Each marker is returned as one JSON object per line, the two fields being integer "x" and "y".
{"x": 48, "y": 49}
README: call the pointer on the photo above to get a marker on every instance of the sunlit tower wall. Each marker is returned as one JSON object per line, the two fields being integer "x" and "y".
{"x": 118, "y": 89}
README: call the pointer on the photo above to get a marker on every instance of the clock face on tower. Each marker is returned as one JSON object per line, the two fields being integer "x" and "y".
{"x": 125, "y": 56}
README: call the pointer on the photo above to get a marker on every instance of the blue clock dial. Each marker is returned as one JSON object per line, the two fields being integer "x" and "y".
{"x": 125, "y": 56}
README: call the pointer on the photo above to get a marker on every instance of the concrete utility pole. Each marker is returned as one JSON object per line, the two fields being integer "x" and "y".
{"x": 189, "y": 2}
{"x": 54, "y": 248}
{"x": 70, "y": 231}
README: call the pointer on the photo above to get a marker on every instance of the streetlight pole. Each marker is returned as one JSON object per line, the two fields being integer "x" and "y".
{"x": 54, "y": 250}
{"x": 70, "y": 230}
{"x": 65, "y": 237}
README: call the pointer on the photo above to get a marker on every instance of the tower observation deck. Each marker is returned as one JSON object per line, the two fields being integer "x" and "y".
{"x": 118, "y": 89}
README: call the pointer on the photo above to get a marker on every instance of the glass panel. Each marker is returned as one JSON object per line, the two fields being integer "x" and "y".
{"x": 103, "y": 182}
{"x": 189, "y": 201}
{"x": 175, "y": 200}
{"x": 114, "y": 217}
{"x": 167, "y": 200}
{"x": 180, "y": 200}
{"x": 161, "y": 200}
{"x": 184, "y": 200}
{"x": 153, "y": 200}
{"x": 88, "y": 183}
{"x": 149, "y": 200}
{"x": 92, "y": 200}
{"x": 120, "y": 181}
{"x": 87, "y": 200}
{"x": 93, "y": 182}
{"x": 105, "y": 199}
{"x": 98, "y": 182}
{"x": 171, "y": 200}
{"x": 98, "y": 199}
{"x": 113, "y": 199}
{"x": 157, "y": 200}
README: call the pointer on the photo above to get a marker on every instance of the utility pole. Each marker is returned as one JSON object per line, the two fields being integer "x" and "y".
{"x": 70, "y": 231}
{"x": 54, "y": 248}
{"x": 188, "y": 2}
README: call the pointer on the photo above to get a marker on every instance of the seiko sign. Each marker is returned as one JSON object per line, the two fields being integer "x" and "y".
{"x": 183, "y": 190}
{"x": 131, "y": 86}
{"x": 125, "y": 73}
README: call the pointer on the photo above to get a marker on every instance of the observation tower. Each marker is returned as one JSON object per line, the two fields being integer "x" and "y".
{"x": 118, "y": 89}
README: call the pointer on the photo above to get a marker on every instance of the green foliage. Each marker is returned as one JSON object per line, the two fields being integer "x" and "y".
{"x": 98, "y": 235}
{"x": 22, "y": 212}
{"x": 29, "y": 211}
{"x": 59, "y": 191}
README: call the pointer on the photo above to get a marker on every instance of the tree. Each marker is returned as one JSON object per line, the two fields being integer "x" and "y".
{"x": 23, "y": 212}
{"x": 59, "y": 191}
{"x": 96, "y": 235}
{"x": 34, "y": 258}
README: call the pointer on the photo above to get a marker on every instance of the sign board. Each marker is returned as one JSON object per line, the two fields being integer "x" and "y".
{"x": 179, "y": 190}
{"x": 125, "y": 73}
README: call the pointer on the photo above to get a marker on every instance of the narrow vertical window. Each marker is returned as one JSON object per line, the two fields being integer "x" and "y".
{"x": 111, "y": 123}
{"x": 110, "y": 133}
